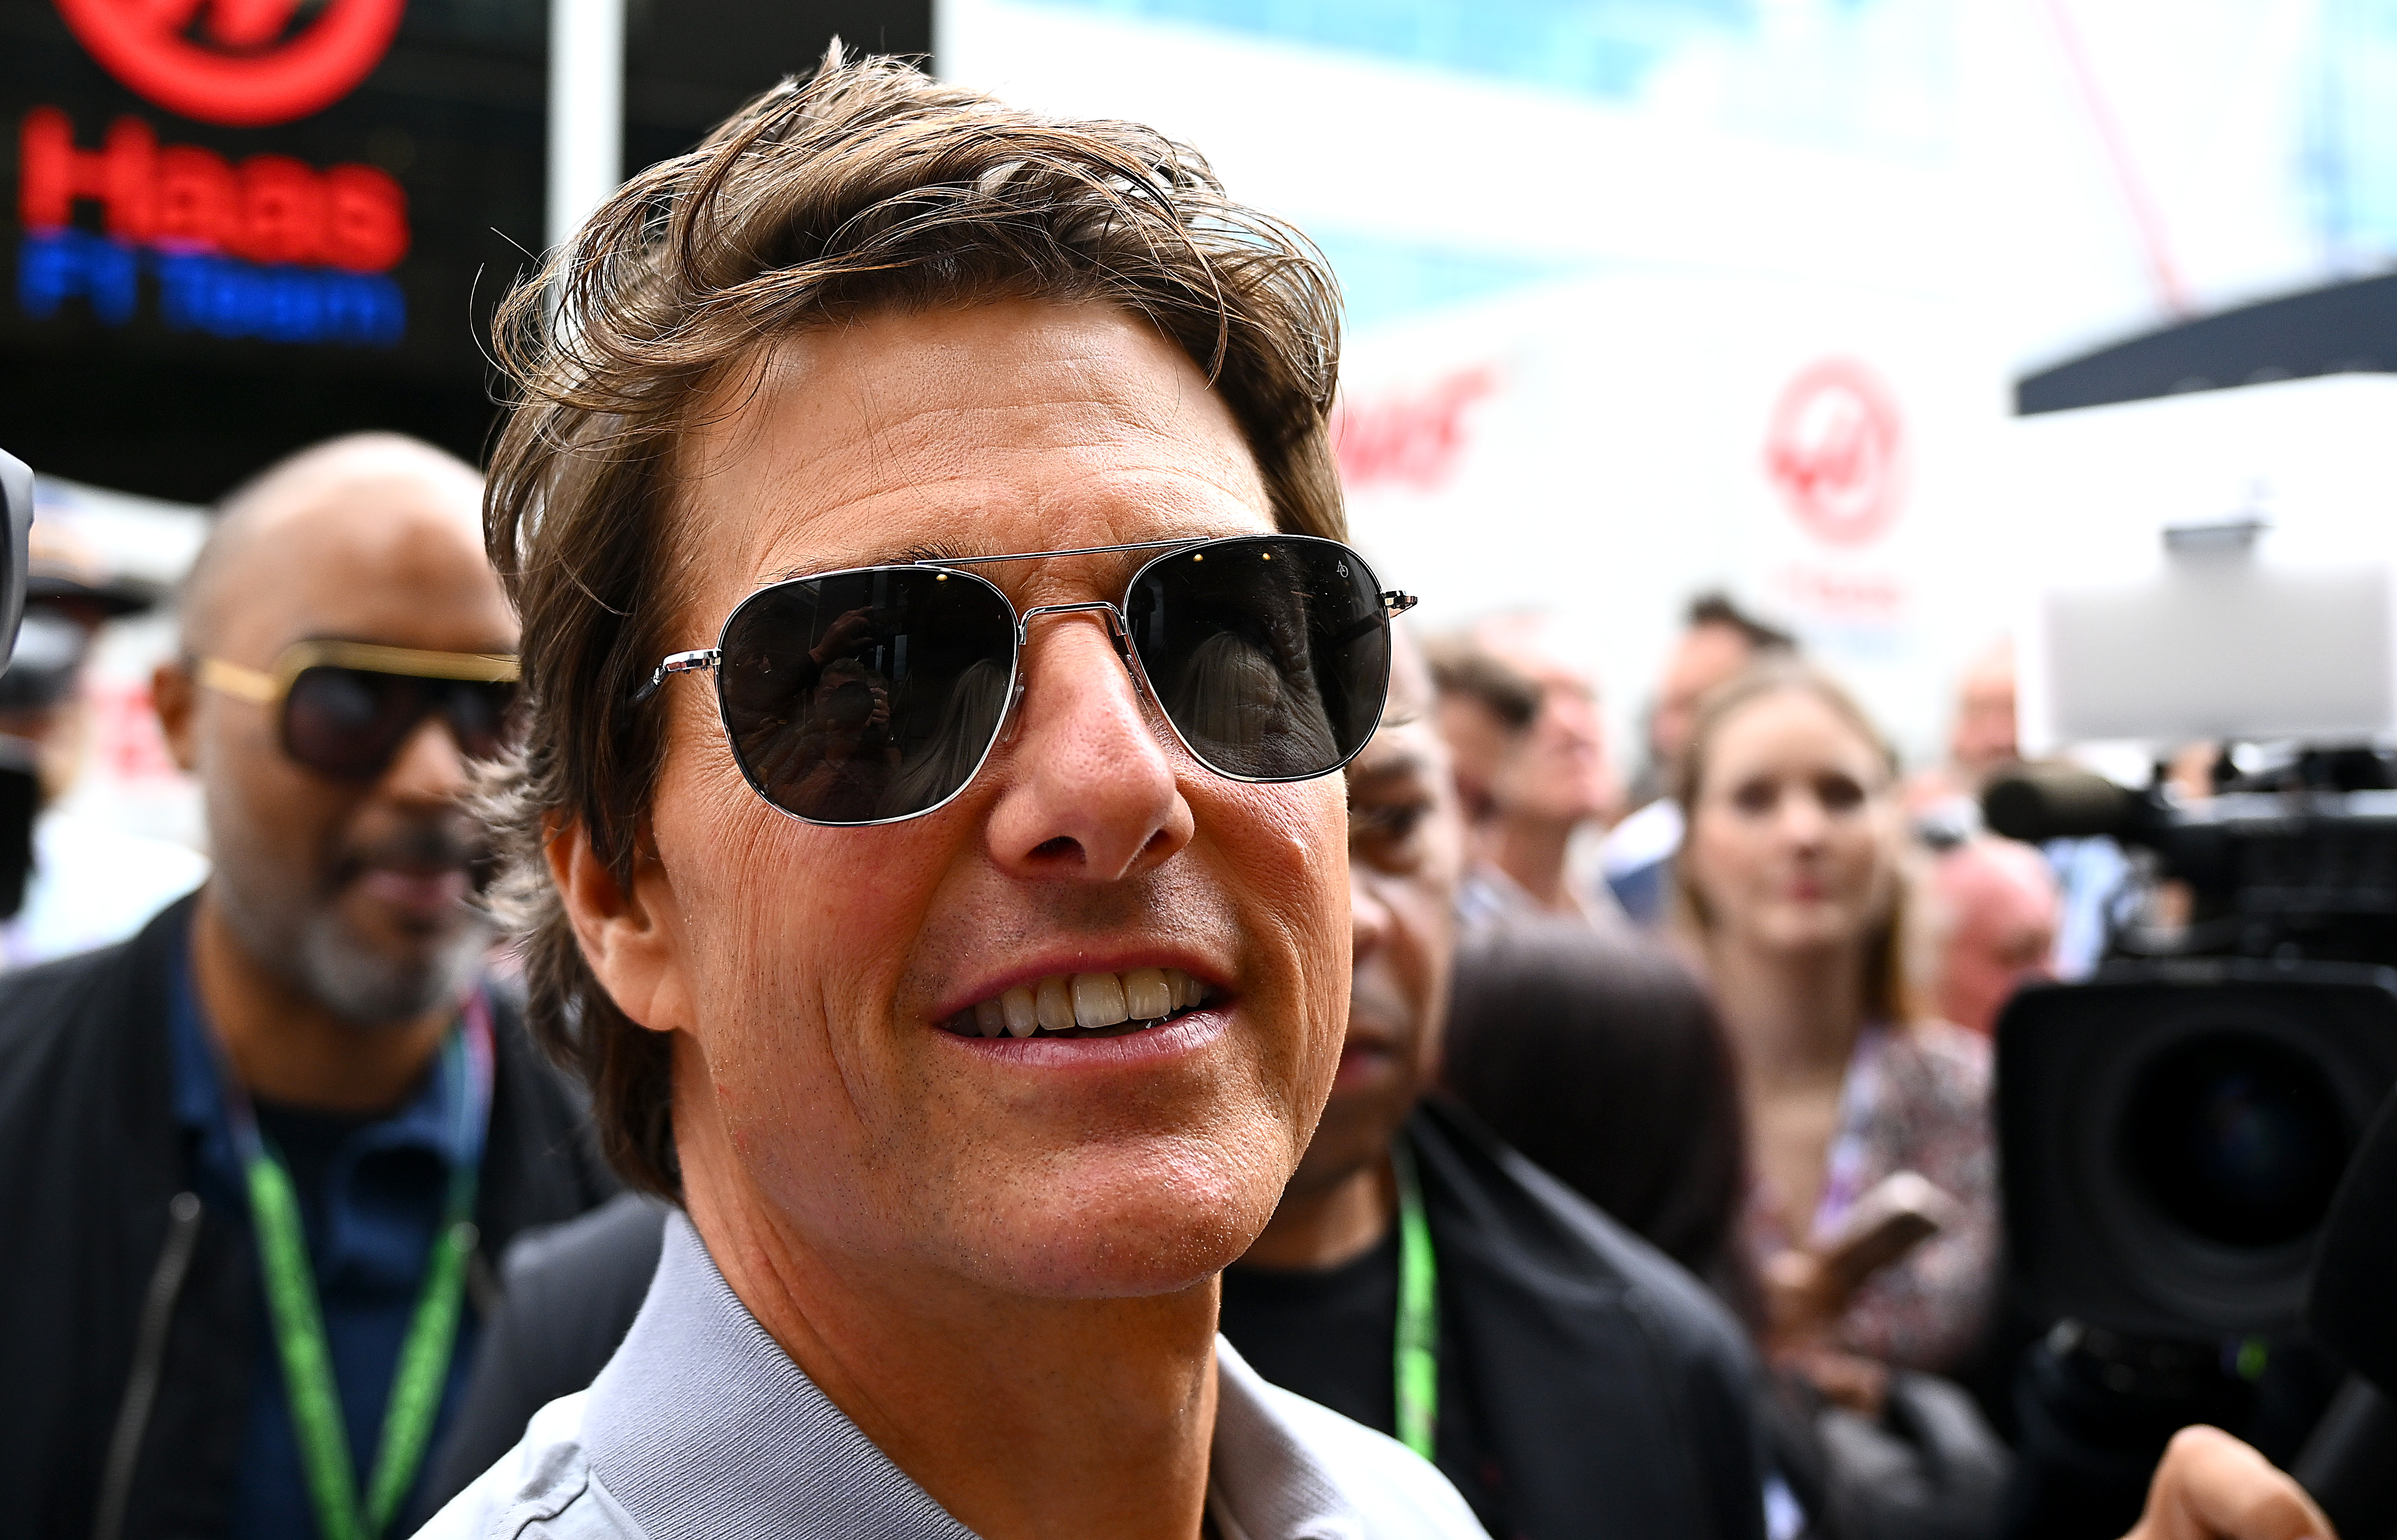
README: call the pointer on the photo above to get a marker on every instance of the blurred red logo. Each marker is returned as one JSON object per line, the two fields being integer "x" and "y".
{"x": 1415, "y": 440}
{"x": 243, "y": 62}
{"x": 1836, "y": 451}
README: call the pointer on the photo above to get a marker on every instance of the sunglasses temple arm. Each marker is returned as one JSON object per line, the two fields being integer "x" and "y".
{"x": 1395, "y": 603}
{"x": 674, "y": 663}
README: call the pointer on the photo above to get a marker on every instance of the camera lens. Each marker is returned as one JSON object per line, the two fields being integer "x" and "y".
{"x": 2236, "y": 1137}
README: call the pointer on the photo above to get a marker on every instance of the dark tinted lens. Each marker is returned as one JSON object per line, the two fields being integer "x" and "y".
{"x": 2239, "y": 1137}
{"x": 347, "y": 721}
{"x": 1271, "y": 655}
{"x": 869, "y": 694}
{"x": 482, "y": 715}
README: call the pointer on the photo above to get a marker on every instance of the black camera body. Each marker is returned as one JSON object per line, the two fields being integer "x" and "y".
{"x": 2173, "y": 1131}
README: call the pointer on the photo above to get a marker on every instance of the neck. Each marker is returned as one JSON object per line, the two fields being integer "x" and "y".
{"x": 1532, "y": 851}
{"x": 1021, "y": 1416}
{"x": 286, "y": 1046}
{"x": 1794, "y": 1014}
{"x": 1320, "y": 1226}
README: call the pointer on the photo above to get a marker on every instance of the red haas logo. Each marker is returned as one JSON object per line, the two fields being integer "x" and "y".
{"x": 245, "y": 63}
{"x": 181, "y": 198}
{"x": 1836, "y": 452}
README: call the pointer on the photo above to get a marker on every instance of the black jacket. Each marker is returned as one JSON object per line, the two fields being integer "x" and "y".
{"x": 127, "y": 1343}
{"x": 1615, "y": 1394}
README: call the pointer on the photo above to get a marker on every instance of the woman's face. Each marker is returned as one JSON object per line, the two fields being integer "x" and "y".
{"x": 1793, "y": 839}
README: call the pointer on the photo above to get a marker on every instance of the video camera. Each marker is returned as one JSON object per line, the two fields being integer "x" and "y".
{"x": 2174, "y": 1131}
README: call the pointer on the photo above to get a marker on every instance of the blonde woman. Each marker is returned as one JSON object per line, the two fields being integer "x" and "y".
{"x": 1790, "y": 894}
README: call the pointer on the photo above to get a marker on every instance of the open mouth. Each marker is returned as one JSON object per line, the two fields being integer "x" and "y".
{"x": 1084, "y": 1004}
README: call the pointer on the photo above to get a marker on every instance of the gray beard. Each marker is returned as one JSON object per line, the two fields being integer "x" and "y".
{"x": 369, "y": 991}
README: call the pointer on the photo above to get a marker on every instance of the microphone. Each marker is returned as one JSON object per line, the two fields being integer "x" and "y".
{"x": 2038, "y": 803}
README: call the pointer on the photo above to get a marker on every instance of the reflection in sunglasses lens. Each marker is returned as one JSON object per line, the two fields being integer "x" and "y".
{"x": 865, "y": 696}
{"x": 1270, "y": 655}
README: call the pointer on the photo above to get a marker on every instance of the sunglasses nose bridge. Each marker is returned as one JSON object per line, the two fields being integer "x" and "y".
{"x": 1118, "y": 633}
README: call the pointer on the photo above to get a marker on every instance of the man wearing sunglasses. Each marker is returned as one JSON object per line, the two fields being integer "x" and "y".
{"x": 259, "y": 1152}
{"x": 940, "y": 656}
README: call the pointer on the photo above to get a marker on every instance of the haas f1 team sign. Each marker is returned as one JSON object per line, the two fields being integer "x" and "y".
{"x": 235, "y": 226}
{"x": 243, "y": 62}
{"x": 265, "y": 245}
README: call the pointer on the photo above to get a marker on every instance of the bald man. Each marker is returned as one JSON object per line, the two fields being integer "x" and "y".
{"x": 257, "y": 1156}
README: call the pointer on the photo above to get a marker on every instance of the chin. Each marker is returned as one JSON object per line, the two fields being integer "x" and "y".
{"x": 1116, "y": 1224}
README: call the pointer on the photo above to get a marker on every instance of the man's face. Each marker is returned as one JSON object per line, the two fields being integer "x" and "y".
{"x": 817, "y": 978}
{"x": 1705, "y": 658}
{"x": 1406, "y": 845}
{"x": 2002, "y": 912}
{"x": 1983, "y": 739}
{"x": 1559, "y": 771}
{"x": 356, "y": 889}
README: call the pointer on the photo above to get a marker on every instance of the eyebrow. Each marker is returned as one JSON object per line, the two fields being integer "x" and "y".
{"x": 1412, "y": 762}
{"x": 941, "y": 553}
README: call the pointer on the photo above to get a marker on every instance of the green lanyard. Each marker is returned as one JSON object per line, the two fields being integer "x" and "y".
{"x": 1416, "y": 1354}
{"x": 343, "y": 1513}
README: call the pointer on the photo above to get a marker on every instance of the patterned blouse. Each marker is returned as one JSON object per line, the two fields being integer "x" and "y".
{"x": 1917, "y": 1098}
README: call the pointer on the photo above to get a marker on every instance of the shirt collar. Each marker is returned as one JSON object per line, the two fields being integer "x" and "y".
{"x": 702, "y": 1427}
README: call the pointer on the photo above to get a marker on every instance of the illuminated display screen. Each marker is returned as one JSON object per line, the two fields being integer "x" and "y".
{"x": 234, "y": 227}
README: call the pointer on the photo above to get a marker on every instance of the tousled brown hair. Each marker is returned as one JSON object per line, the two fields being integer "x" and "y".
{"x": 1888, "y": 989}
{"x": 868, "y": 188}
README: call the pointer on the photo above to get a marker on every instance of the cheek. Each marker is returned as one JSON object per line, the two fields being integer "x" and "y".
{"x": 1287, "y": 847}
{"x": 1726, "y": 854}
{"x": 780, "y": 926}
{"x": 266, "y": 812}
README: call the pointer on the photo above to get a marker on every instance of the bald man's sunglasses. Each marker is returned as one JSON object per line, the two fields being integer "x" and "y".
{"x": 347, "y": 707}
{"x": 875, "y": 694}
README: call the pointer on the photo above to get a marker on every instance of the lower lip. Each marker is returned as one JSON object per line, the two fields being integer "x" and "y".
{"x": 1359, "y": 1064}
{"x": 418, "y": 893}
{"x": 1183, "y": 1035}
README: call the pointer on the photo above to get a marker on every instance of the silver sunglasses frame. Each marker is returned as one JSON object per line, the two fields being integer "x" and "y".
{"x": 706, "y": 659}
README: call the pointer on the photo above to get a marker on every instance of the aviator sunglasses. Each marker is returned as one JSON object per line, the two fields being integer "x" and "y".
{"x": 874, "y": 694}
{"x": 347, "y": 707}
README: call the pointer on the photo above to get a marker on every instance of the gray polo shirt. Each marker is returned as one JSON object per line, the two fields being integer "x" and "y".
{"x": 701, "y": 1429}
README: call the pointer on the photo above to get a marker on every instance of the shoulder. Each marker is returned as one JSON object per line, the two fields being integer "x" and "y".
{"x": 622, "y": 1236}
{"x": 543, "y": 1488}
{"x": 1393, "y": 1494}
{"x": 1554, "y": 1231}
{"x": 59, "y": 1021}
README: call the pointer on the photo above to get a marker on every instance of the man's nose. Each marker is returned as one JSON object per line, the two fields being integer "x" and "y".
{"x": 1090, "y": 790}
{"x": 1368, "y": 916}
{"x": 430, "y": 767}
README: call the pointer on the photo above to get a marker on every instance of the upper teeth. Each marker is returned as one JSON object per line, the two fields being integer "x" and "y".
{"x": 1064, "y": 1000}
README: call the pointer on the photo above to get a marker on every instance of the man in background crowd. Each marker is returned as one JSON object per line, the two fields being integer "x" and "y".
{"x": 260, "y": 1150}
{"x": 1530, "y": 782}
{"x": 1425, "y": 1279}
{"x": 87, "y": 883}
{"x": 1719, "y": 640}
{"x": 1993, "y": 912}
{"x": 1945, "y": 802}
